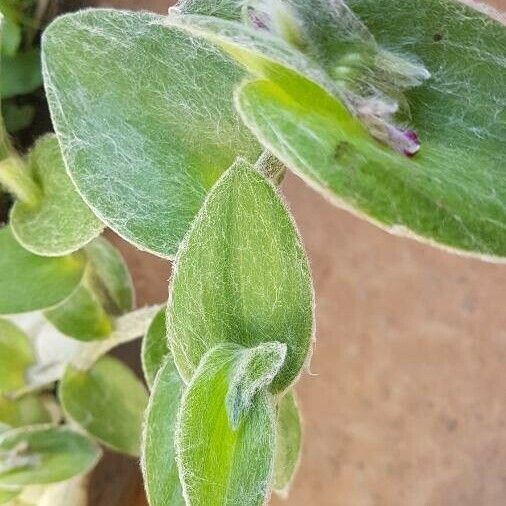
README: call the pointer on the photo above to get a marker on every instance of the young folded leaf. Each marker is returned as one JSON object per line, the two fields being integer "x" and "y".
{"x": 142, "y": 169}
{"x": 29, "y": 282}
{"x": 61, "y": 222}
{"x": 241, "y": 276}
{"x": 254, "y": 370}
{"x": 38, "y": 455}
{"x": 16, "y": 355}
{"x": 450, "y": 192}
{"x": 155, "y": 347}
{"x": 106, "y": 291}
{"x": 288, "y": 443}
{"x": 158, "y": 462}
{"x": 220, "y": 465}
{"x": 107, "y": 401}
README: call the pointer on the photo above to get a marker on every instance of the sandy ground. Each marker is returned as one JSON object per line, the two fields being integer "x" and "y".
{"x": 406, "y": 401}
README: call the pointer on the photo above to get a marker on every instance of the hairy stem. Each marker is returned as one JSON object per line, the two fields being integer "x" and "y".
{"x": 15, "y": 179}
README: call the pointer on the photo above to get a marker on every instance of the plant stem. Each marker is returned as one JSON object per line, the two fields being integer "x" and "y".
{"x": 271, "y": 167}
{"x": 6, "y": 148}
{"x": 15, "y": 179}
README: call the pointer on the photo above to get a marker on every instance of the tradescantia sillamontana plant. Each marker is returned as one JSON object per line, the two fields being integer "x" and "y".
{"x": 175, "y": 130}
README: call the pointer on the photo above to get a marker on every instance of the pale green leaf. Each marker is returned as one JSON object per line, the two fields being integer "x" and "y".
{"x": 29, "y": 282}
{"x": 8, "y": 495}
{"x": 241, "y": 276}
{"x": 219, "y": 465}
{"x": 40, "y": 455}
{"x": 82, "y": 315}
{"x": 161, "y": 478}
{"x": 112, "y": 273}
{"x": 16, "y": 355}
{"x": 20, "y": 74}
{"x": 107, "y": 401}
{"x": 27, "y": 410}
{"x": 288, "y": 443}
{"x": 155, "y": 347}
{"x": 106, "y": 291}
{"x": 61, "y": 222}
{"x": 119, "y": 115}
{"x": 452, "y": 193}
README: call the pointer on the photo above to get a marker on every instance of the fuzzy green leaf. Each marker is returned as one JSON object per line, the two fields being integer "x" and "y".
{"x": 40, "y": 455}
{"x": 226, "y": 9}
{"x": 107, "y": 401}
{"x": 27, "y": 410}
{"x": 241, "y": 276}
{"x": 29, "y": 282}
{"x": 20, "y": 74}
{"x": 138, "y": 165}
{"x": 61, "y": 223}
{"x": 16, "y": 355}
{"x": 155, "y": 347}
{"x": 161, "y": 478}
{"x": 288, "y": 443}
{"x": 452, "y": 193}
{"x": 219, "y": 465}
{"x": 254, "y": 370}
{"x": 105, "y": 292}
